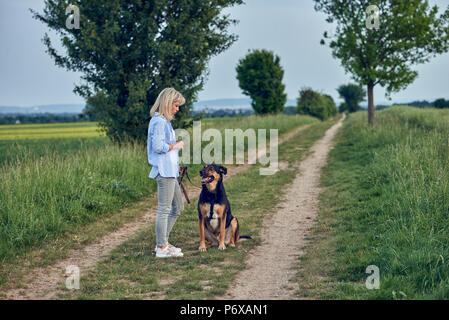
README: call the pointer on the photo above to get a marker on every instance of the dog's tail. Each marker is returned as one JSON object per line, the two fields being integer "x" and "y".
{"x": 237, "y": 233}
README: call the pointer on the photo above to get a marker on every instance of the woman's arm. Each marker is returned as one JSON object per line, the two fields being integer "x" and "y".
{"x": 158, "y": 140}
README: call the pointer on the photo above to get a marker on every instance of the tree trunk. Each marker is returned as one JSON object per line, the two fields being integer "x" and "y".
{"x": 371, "y": 104}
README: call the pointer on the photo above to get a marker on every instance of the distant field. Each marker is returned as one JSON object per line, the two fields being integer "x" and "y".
{"x": 31, "y": 141}
{"x": 49, "y": 130}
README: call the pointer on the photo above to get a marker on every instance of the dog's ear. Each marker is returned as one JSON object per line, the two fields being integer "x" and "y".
{"x": 223, "y": 170}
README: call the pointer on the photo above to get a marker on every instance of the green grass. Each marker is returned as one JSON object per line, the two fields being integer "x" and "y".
{"x": 41, "y": 199}
{"x": 20, "y": 143}
{"x": 386, "y": 203}
{"x": 49, "y": 191}
{"x": 14, "y": 151}
{"x": 49, "y": 130}
{"x": 133, "y": 272}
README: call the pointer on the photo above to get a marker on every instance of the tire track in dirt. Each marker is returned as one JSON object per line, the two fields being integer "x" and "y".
{"x": 271, "y": 265}
{"x": 43, "y": 283}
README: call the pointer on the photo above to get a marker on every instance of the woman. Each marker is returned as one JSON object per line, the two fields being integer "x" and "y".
{"x": 163, "y": 156}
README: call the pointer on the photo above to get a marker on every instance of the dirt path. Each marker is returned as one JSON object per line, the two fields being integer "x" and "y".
{"x": 271, "y": 265}
{"x": 43, "y": 282}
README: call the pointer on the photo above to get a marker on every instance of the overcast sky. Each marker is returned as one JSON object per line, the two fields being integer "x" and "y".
{"x": 290, "y": 28}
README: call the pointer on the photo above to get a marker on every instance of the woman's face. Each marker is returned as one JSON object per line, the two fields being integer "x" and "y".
{"x": 174, "y": 108}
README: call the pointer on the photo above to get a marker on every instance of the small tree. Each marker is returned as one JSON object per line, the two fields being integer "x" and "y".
{"x": 353, "y": 95}
{"x": 410, "y": 32}
{"x": 260, "y": 77}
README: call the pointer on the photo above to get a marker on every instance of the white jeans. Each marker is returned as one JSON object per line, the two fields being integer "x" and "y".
{"x": 170, "y": 206}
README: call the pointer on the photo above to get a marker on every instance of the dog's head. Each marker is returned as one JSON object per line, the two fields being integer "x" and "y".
{"x": 211, "y": 175}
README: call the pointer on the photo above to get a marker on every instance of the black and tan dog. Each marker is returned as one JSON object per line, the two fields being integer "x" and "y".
{"x": 217, "y": 225}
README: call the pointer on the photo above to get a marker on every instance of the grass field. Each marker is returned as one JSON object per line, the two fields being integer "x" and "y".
{"x": 31, "y": 141}
{"x": 386, "y": 204}
{"x": 49, "y": 130}
{"x": 47, "y": 192}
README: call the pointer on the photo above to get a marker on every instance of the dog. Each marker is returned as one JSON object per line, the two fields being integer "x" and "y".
{"x": 217, "y": 225}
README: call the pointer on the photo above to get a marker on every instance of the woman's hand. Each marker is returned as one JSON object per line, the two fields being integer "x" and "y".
{"x": 178, "y": 145}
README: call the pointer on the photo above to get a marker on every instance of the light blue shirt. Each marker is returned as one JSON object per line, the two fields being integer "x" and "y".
{"x": 160, "y": 135}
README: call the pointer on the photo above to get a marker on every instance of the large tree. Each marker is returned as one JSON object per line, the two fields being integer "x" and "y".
{"x": 128, "y": 51}
{"x": 260, "y": 77}
{"x": 409, "y": 32}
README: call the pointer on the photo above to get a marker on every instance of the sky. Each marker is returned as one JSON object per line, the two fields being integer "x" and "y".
{"x": 292, "y": 29}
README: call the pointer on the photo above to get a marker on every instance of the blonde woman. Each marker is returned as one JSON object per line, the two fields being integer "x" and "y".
{"x": 163, "y": 156}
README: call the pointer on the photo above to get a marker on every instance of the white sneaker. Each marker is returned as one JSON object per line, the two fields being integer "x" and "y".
{"x": 167, "y": 253}
{"x": 170, "y": 247}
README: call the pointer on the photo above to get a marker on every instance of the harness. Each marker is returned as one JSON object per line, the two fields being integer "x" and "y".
{"x": 211, "y": 213}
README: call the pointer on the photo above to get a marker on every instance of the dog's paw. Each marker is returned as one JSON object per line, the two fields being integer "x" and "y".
{"x": 222, "y": 247}
{"x": 232, "y": 245}
{"x": 202, "y": 249}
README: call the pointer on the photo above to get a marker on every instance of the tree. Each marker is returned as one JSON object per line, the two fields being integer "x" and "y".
{"x": 128, "y": 51}
{"x": 315, "y": 104}
{"x": 441, "y": 103}
{"x": 410, "y": 32}
{"x": 309, "y": 102}
{"x": 260, "y": 77}
{"x": 353, "y": 95}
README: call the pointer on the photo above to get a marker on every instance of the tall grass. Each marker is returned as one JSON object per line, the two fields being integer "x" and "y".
{"x": 12, "y": 151}
{"x": 389, "y": 190}
{"x": 42, "y": 198}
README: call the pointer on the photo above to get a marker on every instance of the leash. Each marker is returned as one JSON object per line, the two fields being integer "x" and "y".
{"x": 184, "y": 172}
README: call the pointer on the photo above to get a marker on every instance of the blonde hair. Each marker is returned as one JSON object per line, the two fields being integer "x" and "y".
{"x": 164, "y": 102}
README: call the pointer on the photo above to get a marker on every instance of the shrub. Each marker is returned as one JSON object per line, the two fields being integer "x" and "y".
{"x": 316, "y": 104}
{"x": 331, "y": 106}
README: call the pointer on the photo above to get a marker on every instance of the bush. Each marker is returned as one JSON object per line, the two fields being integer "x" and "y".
{"x": 331, "y": 106}
{"x": 316, "y": 104}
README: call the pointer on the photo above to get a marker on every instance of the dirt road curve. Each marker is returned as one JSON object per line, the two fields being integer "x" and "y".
{"x": 270, "y": 266}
